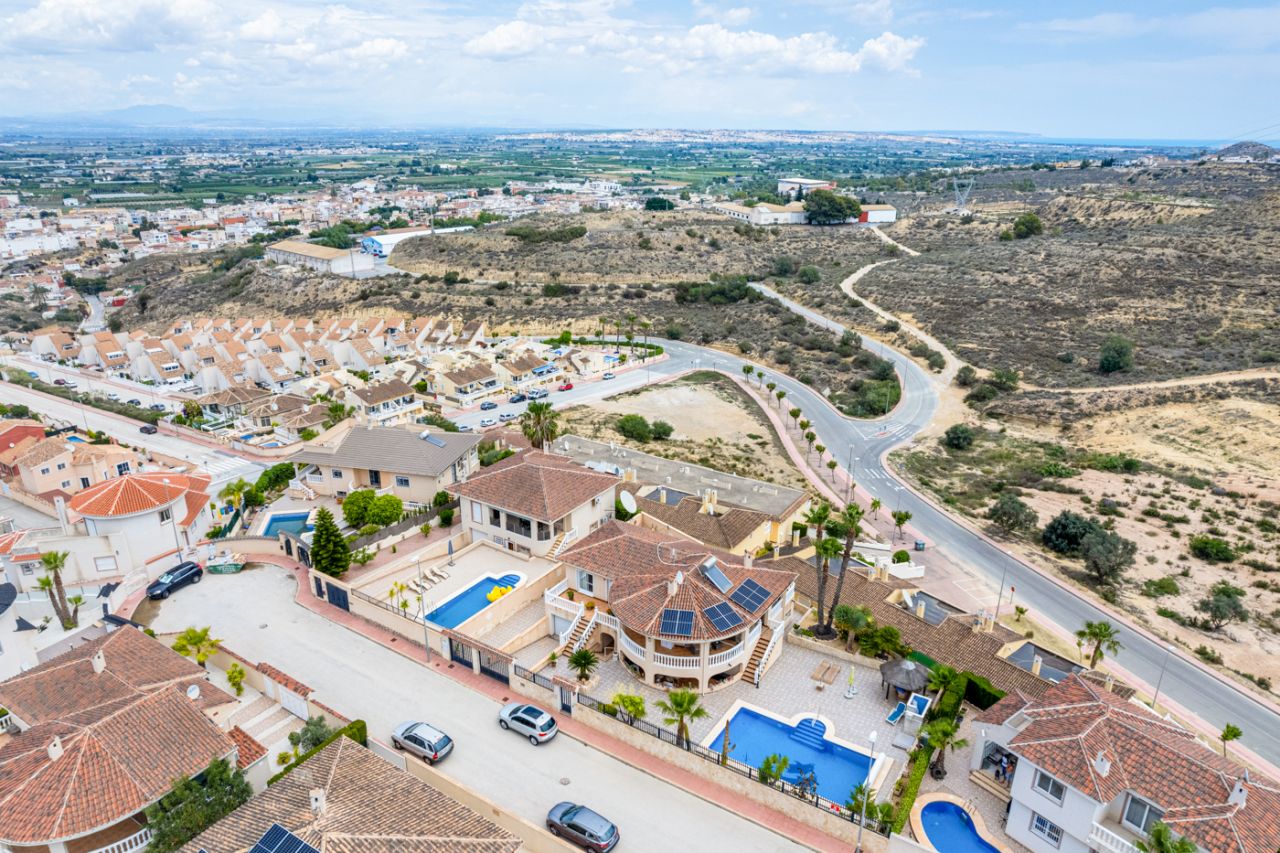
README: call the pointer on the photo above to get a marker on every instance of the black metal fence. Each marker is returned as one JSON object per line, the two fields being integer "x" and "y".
{"x": 799, "y": 792}
{"x": 414, "y": 517}
{"x": 530, "y": 675}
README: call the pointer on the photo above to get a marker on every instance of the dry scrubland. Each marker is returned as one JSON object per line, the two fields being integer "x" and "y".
{"x": 716, "y": 425}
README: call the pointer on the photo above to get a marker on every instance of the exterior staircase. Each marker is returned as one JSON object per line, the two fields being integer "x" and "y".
{"x": 757, "y": 656}
{"x": 987, "y": 782}
{"x": 558, "y": 544}
{"x": 580, "y": 634}
{"x": 254, "y": 709}
{"x": 810, "y": 733}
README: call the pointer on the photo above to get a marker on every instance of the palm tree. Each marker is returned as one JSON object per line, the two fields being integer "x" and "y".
{"x": 538, "y": 423}
{"x": 338, "y": 412}
{"x": 1160, "y": 839}
{"x": 781, "y": 395}
{"x": 1104, "y": 638}
{"x": 54, "y": 562}
{"x": 851, "y": 620}
{"x": 794, "y": 413}
{"x": 771, "y": 386}
{"x": 875, "y": 507}
{"x": 747, "y": 370}
{"x": 678, "y": 709}
{"x": 850, "y": 519}
{"x": 900, "y": 519}
{"x": 584, "y": 663}
{"x": 233, "y": 493}
{"x": 941, "y": 679}
{"x": 1229, "y": 733}
{"x": 760, "y": 376}
{"x": 804, "y": 424}
{"x": 810, "y": 437}
{"x": 942, "y": 734}
{"x": 196, "y": 642}
{"x": 827, "y": 549}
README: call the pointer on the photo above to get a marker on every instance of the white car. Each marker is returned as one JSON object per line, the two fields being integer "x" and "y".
{"x": 487, "y": 422}
{"x": 507, "y": 417}
{"x": 113, "y": 396}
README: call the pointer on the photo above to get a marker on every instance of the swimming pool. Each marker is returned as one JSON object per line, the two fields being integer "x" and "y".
{"x": 294, "y": 522}
{"x": 470, "y": 601}
{"x": 753, "y": 736}
{"x": 950, "y": 829}
{"x": 77, "y": 439}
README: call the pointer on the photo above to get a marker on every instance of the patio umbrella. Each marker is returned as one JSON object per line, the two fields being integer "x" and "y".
{"x": 904, "y": 674}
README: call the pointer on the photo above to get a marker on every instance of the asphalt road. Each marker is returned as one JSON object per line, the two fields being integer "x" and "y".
{"x": 254, "y": 615}
{"x": 96, "y": 383}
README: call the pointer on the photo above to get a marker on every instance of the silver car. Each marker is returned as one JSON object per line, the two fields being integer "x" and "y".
{"x": 530, "y": 721}
{"x": 427, "y": 742}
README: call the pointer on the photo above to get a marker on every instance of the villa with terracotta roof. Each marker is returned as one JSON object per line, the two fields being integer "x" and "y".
{"x": 57, "y": 466}
{"x": 98, "y": 735}
{"x": 1095, "y": 770}
{"x": 535, "y": 503}
{"x": 678, "y": 613}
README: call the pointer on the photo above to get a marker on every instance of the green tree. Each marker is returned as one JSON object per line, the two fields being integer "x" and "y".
{"x": 678, "y": 709}
{"x": 355, "y": 507}
{"x": 196, "y": 643}
{"x": 943, "y": 735}
{"x": 384, "y": 510}
{"x": 1116, "y": 354}
{"x": 1102, "y": 636}
{"x": 330, "y": 553}
{"x": 1027, "y": 225}
{"x": 772, "y": 768}
{"x": 635, "y": 427}
{"x": 850, "y": 521}
{"x": 313, "y": 733}
{"x": 1160, "y": 839}
{"x": 235, "y": 677}
{"x": 1229, "y": 733}
{"x": 275, "y": 478}
{"x": 1107, "y": 556}
{"x": 539, "y": 423}
{"x": 657, "y": 202}
{"x": 53, "y": 563}
{"x": 958, "y": 437}
{"x": 630, "y": 704}
{"x": 809, "y": 274}
{"x": 1011, "y": 514}
{"x": 337, "y": 413}
{"x": 1066, "y": 532}
{"x": 191, "y": 807}
{"x": 900, "y": 519}
{"x": 1223, "y": 605}
{"x": 875, "y": 507}
{"x": 826, "y": 549}
{"x": 583, "y": 662}
{"x": 233, "y": 492}
{"x": 942, "y": 678}
{"x": 851, "y": 621}
{"x": 823, "y": 207}
{"x": 794, "y": 413}
{"x": 661, "y": 430}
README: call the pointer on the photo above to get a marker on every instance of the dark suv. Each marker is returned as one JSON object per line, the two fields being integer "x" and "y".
{"x": 176, "y": 578}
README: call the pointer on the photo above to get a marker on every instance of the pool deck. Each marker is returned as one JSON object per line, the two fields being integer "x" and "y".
{"x": 469, "y": 565}
{"x": 996, "y": 840}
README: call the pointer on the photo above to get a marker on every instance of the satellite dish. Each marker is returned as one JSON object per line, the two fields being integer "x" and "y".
{"x": 193, "y": 692}
{"x": 628, "y": 501}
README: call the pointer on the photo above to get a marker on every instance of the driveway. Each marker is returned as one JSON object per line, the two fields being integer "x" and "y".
{"x": 255, "y": 615}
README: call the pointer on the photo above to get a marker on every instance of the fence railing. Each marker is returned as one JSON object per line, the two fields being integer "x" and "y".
{"x": 530, "y": 675}
{"x": 803, "y": 792}
{"x": 586, "y": 633}
{"x": 678, "y": 661}
{"x": 413, "y": 518}
{"x": 726, "y": 656}
{"x": 406, "y": 612}
{"x": 608, "y": 621}
{"x": 633, "y": 648}
{"x": 137, "y": 841}
{"x": 779, "y": 629}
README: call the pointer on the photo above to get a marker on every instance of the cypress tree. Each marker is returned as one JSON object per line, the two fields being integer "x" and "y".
{"x": 329, "y": 551}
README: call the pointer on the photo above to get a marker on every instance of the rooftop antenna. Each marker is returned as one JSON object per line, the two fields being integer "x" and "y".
{"x": 961, "y": 192}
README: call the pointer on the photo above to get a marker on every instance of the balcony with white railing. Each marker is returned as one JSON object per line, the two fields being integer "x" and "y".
{"x": 1103, "y": 839}
{"x": 727, "y": 656}
{"x": 609, "y": 622}
{"x": 678, "y": 661}
{"x": 138, "y": 841}
{"x": 633, "y": 649}
{"x": 563, "y": 607}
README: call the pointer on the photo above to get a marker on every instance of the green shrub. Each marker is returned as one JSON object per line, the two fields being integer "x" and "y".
{"x": 533, "y": 235}
{"x": 661, "y": 430}
{"x": 446, "y": 517}
{"x": 634, "y": 427}
{"x": 919, "y": 766}
{"x": 1211, "y": 549}
{"x": 958, "y": 437}
{"x": 1065, "y": 533}
{"x": 441, "y": 498}
{"x": 1208, "y": 655}
{"x": 901, "y": 556}
{"x": 980, "y": 693}
{"x": 356, "y": 730}
{"x": 1156, "y": 587}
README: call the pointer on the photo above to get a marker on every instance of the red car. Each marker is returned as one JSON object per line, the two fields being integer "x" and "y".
{"x": 568, "y": 386}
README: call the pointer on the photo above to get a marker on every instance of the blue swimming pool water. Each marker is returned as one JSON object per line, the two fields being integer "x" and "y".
{"x": 77, "y": 439}
{"x": 294, "y": 522}
{"x": 468, "y": 603}
{"x": 753, "y": 737}
{"x": 950, "y": 830}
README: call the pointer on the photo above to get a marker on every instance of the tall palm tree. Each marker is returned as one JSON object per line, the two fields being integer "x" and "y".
{"x": 941, "y": 679}
{"x": 233, "y": 493}
{"x": 827, "y": 549}
{"x": 645, "y": 326}
{"x": 539, "y": 424}
{"x": 1160, "y": 839}
{"x": 781, "y": 395}
{"x": 851, "y": 620}
{"x": 850, "y": 519}
{"x": 875, "y": 507}
{"x": 196, "y": 643}
{"x": 678, "y": 709}
{"x": 54, "y": 562}
{"x": 1104, "y": 638}
{"x": 942, "y": 734}
{"x": 338, "y": 412}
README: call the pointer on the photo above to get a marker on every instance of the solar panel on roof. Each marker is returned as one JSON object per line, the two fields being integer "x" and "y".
{"x": 678, "y": 623}
{"x": 722, "y": 617}
{"x": 433, "y": 439}
{"x": 750, "y": 595}
{"x": 277, "y": 839}
{"x": 711, "y": 571}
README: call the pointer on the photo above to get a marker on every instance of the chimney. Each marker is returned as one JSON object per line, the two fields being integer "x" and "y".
{"x": 1240, "y": 794}
{"x": 708, "y": 503}
{"x": 1036, "y": 663}
{"x": 748, "y": 560}
{"x": 920, "y": 607}
{"x": 99, "y": 662}
{"x": 317, "y": 801}
{"x": 662, "y": 494}
{"x": 60, "y": 507}
{"x": 629, "y": 475}
{"x": 55, "y": 748}
{"x": 1102, "y": 764}
{"x": 795, "y": 538}
{"x": 1111, "y": 683}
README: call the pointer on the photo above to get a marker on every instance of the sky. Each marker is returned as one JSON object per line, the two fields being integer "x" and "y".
{"x": 1150, "y": 70}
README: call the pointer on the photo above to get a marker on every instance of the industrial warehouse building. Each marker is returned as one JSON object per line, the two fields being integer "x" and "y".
{"x": 348, "y": 262}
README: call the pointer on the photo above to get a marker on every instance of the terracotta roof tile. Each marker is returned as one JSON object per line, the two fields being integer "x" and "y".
{"x": 248, "y": 750}
{"x": 284, "y": 679}
{"x": 134, "y": 493}
{"x": 537, "y": 485}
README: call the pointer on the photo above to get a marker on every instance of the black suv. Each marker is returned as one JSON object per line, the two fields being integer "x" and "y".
{"x": 176, "y": 578}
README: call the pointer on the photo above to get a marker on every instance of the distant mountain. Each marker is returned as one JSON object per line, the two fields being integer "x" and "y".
{"x": 148, "y": 114}
{"x": 1253, "y": 150}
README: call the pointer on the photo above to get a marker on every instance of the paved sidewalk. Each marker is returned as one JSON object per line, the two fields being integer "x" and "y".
{"x": 708, "y": 791}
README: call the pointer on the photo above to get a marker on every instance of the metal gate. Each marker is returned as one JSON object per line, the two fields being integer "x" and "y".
{"x": 566, "y": 700}
{"x": 338, "y": 596}
{"x": 495, "y": 667}
{"x": 319, "y": 587}
{"x": 459, "y": 653}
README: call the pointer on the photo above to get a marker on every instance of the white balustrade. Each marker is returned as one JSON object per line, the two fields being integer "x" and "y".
{"x": 724, "y": 657}
{"x": 610, "y": 622}
{"x": 678, "y": 661}
{"x": 586, "y": 633}
{"x": 137, "y": 841}
{"x": 755, "y": 634}
{"x": 634, "y": 649}
{"x": 1101, "y": 838}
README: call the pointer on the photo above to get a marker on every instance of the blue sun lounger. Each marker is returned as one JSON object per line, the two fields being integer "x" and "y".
{"x": 896, "y": 714}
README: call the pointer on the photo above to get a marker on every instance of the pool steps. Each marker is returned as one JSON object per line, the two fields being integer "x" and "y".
{"x": 810, "y": 732}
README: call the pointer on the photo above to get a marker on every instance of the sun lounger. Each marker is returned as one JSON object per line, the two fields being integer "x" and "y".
{"x": 820, "y": 675}
{"x": 439, "y": 575}
{"x": 832, "y": 672}
{"x": 896, "y": 714}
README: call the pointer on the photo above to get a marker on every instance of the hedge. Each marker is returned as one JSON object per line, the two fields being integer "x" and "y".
{"x": 357, "y": 730}
{"x": 980, "y": 692}
{"x": 921, "y": 657}
{"x": 912, "y": 787}
{"x": 654, "y": 349}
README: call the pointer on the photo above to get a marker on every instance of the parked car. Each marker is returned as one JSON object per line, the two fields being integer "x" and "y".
{"x": 608, "y": 375}
{"x": 567, "y": 386}
{"x": 507, "y": 417}
{"x": 33, "y": 374}
{"x": 488, "y": 405}
{"x": 463, "y": 427}
{"x": 148, "y": 429}
{"x": 528, "y": 720}
{"x": 517, "y": 398}
{"x": 113, "y": 396}
{"x": 583, "y": 827}
{"x": 158, "y": 407}
{"x": 488, "y": 422}
{"x": 134, "y": 402}
{"x": 425, "y": 741}
{"x": 174, "y": 579}
{"x": 59, "y": 381}
{"x": 537, "y": 393}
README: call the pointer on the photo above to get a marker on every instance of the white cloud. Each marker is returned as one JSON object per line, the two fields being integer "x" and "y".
{"x": 1250, "y": 28}
{"x": 514, "y": 38}
{"x": 65, "y": 26}
{"x": 714, "y": 46}
{"x": 267, "y": 27}
{"x": 733, "y": 17}
{"x": 874, "y": 12}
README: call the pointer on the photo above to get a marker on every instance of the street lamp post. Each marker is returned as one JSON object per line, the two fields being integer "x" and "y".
{"x": 865, "y": 795}
{"x": 1168, "y": 653}
{"x": 848, "y": 497}
{"x": 1000, "y": 595}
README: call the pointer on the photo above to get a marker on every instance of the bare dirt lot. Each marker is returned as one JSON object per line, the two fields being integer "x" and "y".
{"x": 715, "y": 425}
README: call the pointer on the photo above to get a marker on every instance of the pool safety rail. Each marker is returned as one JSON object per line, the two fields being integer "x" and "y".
{"x": 799, "y": 792}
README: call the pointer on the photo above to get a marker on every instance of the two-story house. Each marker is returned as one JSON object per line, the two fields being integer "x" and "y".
{"x": 1094, "y": 771}
{"x": 385, "y": 404}
{"x": 58, "y": 465}
{"x": 468, "y": 384}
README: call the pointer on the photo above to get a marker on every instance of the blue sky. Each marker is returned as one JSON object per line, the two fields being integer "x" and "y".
{"x": 1081, "y": 69}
